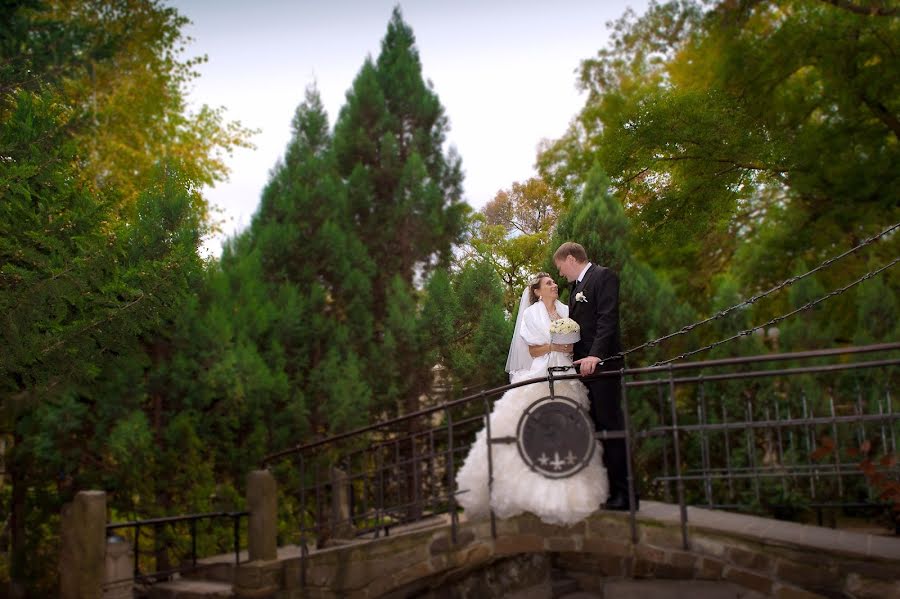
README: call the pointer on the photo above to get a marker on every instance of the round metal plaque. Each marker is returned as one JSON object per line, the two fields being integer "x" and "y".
{"x": 556, "y": 437}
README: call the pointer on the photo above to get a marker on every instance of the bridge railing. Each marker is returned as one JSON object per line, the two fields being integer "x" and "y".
{"x": 780, "y": 434}
{"x": 785, "y": 435}
{"x": 161, "y": 550}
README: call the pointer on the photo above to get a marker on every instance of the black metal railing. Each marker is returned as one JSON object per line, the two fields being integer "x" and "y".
{"x": 160, "y": 545}
{"x": 742, "y": 433}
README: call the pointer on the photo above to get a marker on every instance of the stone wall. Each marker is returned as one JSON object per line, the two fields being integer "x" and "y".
{"x": 773, "y": 558}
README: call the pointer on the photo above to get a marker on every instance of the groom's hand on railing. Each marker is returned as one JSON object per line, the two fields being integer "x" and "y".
{"x": 587, "y": 365}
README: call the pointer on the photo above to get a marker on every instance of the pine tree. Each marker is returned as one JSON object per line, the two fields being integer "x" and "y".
{"x": 404, "y": 191}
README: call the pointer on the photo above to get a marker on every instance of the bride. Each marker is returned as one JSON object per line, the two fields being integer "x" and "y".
{"x": 516, "y": 487}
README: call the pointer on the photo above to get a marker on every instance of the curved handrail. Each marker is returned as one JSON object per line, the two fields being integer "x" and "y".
{"x": 480, "y": 396}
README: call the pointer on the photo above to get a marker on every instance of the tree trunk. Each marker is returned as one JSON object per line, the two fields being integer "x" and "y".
{"x": 17, "y": 574}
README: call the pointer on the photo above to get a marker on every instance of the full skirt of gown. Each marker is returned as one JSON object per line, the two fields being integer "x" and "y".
{"x": 517, "y": 488}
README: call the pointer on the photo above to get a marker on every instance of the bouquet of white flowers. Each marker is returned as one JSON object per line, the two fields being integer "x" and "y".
{"x": 565, "y": 330}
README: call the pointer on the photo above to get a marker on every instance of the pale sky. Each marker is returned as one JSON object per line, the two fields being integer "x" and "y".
{"x": 504, "y": 70}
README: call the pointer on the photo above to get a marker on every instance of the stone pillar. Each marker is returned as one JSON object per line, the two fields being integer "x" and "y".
{"x": 262, "y": 502}
{"x": 82, "y": 559}
{"x": 340, "y": 505}
{"x": 119, "y": 569}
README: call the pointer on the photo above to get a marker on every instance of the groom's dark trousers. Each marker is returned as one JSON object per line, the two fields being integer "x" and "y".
{"x": 606, "y": 411}
{"x": 594, "y": 305}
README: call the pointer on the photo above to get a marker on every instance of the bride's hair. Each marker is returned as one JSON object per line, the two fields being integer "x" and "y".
{"x": 534, "y": 283}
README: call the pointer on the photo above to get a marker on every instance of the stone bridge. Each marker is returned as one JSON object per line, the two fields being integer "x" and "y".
{"x": 727, "y": 555}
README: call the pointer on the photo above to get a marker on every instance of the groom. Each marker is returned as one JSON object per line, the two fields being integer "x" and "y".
{"x": 594, "y": 305}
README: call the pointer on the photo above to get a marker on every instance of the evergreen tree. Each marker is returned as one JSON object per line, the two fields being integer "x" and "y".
{"x": 98, "y": 259}
{"x": 84, "y": 295}
{"x": 404, "y": 199}
{"x": 310, "y": 249}
{"x": 404, "y": 191}
{"x": 468, "y": 329}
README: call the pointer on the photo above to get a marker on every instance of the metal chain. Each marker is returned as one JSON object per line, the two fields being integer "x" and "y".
{"x": 757, "y": 297}
{"x": 778, "y": 319}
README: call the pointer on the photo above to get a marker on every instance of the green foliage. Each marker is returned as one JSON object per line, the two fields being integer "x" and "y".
{"x": 765, "y": 130}
{"x": 100, "y": 225}
{"x": 648, "y": 306}
{"x": 117, "y": 66}
{"x": 476, "y": 331}
{"x": 405, "y": 193}
{"x": 512, "y": 233}
{"x": 84, "y": 294}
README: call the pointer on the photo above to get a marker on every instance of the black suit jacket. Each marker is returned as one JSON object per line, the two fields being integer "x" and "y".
{"x": 598, "y": 317}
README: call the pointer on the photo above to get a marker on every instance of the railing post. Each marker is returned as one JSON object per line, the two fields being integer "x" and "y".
{"x": 82, "y": 561}
{"x": 119, "y": 583}
{"x": 629, "y": 465}
{"x": 262, "y": 524}
{"x": 679, "y": 481}
{"x": 340, "y": 505}
{"x": 193, "y": 525}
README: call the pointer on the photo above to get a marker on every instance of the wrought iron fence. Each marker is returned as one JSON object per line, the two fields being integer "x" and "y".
{"x": 156, "y": 541}
{"x": 777, "y": 434}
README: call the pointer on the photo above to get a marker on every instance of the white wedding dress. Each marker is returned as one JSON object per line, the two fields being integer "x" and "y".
{"x": 516, "y": 487}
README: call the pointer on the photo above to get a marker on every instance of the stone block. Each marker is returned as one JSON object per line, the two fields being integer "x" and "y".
{"x": 642, "y": 568}
{"x": 608, "y": 527}
{"x": 472, "y": 556}
{"x": 600, "y": 565}
{"x": 320, "y": 574}
{"x": 439, "y": 563}
{"x": 783, "y": 591}
{"x": 507, "y": 526}
{"x": 259, "y": 575}
{"x": 532, "y": 525}
{"x": 749, "y": 579}
{"x": 380, "y": 586}
{"x": 707, "y": 546}
{"x": 607, "y": 546}
{"x": 464, "y": 537}
{"x": 677, "y": 565}
{"x": 661, "y": 536}
{"x": 262, "y": 525}
{"x": 748, "y": 559}
{"x": 440, "y": 544}
{"x": 412, "y": 573}
{"x": 563, "y": 544}
{"x": 293, "y": 574}
{"x": 646, "y": 561}
{"x": 119, "y": 569}
{"x": 650, "y": 553}
{"x": 709, "y": 568}
{"x": 861, "y": 587}
{"x": 514, "y": 544}
{"x": 82, "y": 559}
{"x": 870, "y": 569}
{"x": 808, "y": 577}
{"x": 340, "y": 505}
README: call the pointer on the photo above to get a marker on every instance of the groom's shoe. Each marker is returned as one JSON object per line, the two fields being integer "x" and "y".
{"x": 619, "y": 503}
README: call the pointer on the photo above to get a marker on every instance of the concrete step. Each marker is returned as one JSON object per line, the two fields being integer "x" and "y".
{"x": 191, "y": 589}
{"x": 669, "y": 589}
